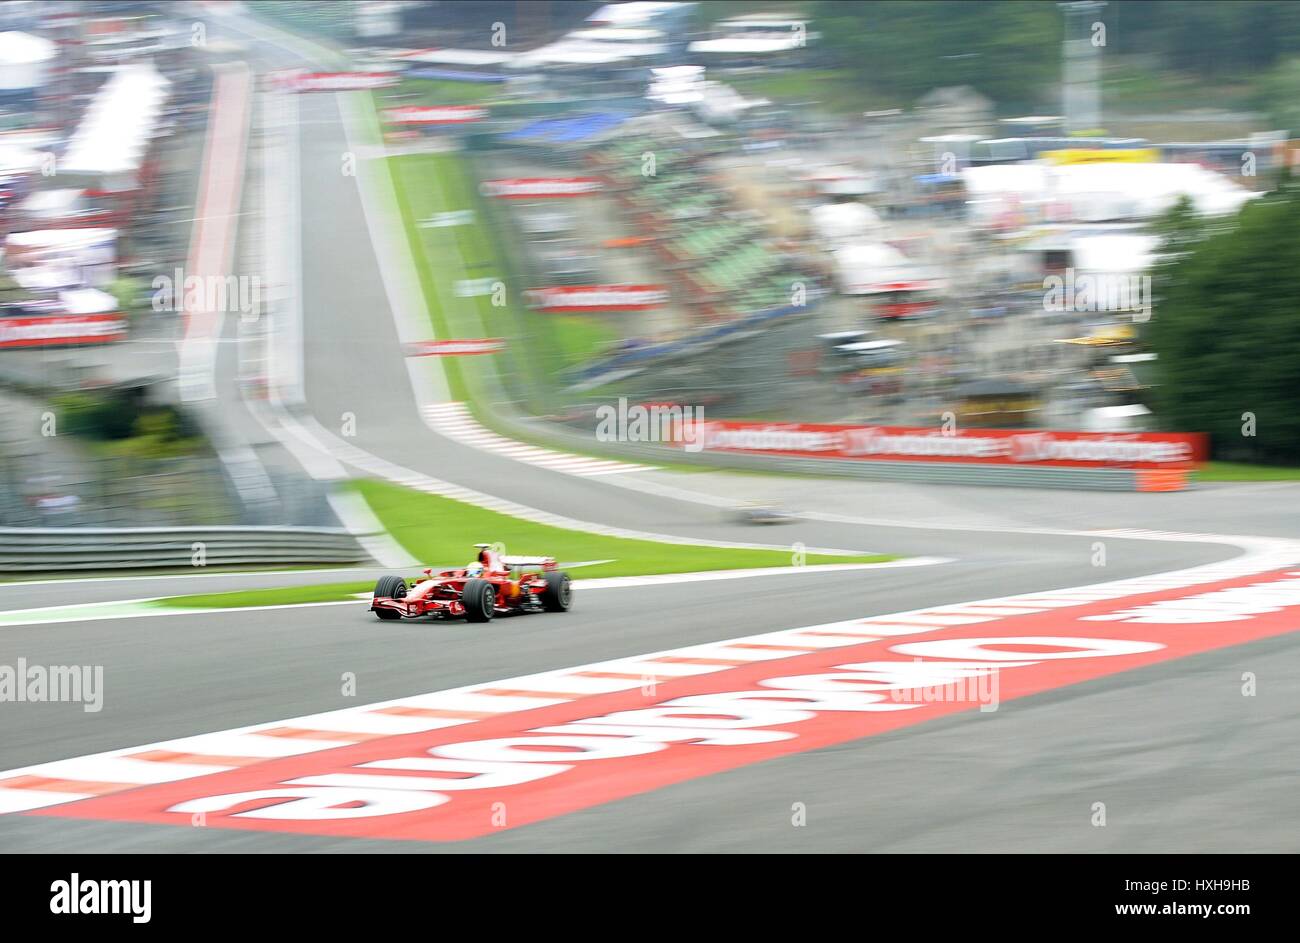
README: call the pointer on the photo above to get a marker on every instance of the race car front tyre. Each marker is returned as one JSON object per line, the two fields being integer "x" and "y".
{"x": 390, "y": 587}
{"x": 558, "y": 595}
{"x": 479, "y": 600}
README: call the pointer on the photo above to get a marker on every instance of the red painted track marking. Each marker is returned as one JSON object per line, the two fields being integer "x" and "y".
{"x": 676, "y": 753}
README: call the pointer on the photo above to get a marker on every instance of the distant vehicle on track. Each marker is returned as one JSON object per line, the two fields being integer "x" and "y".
{"x": 763, "y": 514}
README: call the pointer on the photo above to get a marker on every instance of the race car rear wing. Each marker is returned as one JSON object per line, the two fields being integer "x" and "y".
{"x": 546, "y": 563}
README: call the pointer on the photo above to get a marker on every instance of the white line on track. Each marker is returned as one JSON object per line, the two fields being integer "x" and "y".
{"x": 154, "y": 606}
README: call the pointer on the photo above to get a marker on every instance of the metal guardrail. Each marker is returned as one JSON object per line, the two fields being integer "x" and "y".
{"x": 37, "y": 549}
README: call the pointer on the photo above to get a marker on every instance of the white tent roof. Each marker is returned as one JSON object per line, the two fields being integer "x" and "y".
{"x": 1019, "y": 179}
{"x": 1154, "y": 188}
{"x": 618, "y": 34}
{"x": 579, "y": 52}
{"x": 70, "y": 239}
{"x": 1114, "y": 253}
{"x": 46, "y": 277}
{"x": 862, "y": 267}
{"x": 1123, "y": 189}
{"x": 1127, "y": 418}
{"x": 721, "y": 102}
{"x": 458, "y": 56}
{"x": 874, "y": 255}
{"x": 24, "y": 48}
{"x": 631, "y": 14}
{"x": 747, "y": 45}
{"x": 88, "y": 301}
{"x": 676, "y": 85}
{"x": 51, "y": 202}
{"x": 16, "y": 159}
{"x": 114, "y": 133}
{"x": 840, "y": 222}
{"x": 1131, "y": 409}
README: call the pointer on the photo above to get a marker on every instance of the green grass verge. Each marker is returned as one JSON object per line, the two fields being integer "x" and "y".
{"x": 438, "y": 92}
{"x": 279, "y": 596}
{"x": 1242, "y": 471}
{"x": 442, "y": 532}
{"x": 430, "y": 184}
{"x": 579, "y": 338}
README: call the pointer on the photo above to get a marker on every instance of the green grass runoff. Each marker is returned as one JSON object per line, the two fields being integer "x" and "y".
{"x": 427, "y": 185}
{"x": 279, "y": 596}
{"x": 1242, "y": 471}
{"x": 580, "y": 337}
{"x": 442, "y": 532}
{"x": 438, "y": 92}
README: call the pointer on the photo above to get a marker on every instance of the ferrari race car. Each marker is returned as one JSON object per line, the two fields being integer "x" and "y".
{"x": 493, "y": 585}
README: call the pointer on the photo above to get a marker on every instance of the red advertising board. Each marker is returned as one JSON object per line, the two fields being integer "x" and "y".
{"x": 533, "y": 188}
{"x": 334, "y": 81}
{"x": 63, "y": 329}
{"x": 456, "y": 348}
{"x": 596, "y": 298}
{"x": 439, "y": 114}
{"x": 1036, "y": 447}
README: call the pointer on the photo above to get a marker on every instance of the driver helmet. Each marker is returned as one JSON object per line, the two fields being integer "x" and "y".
{"x": 474, "y": 570}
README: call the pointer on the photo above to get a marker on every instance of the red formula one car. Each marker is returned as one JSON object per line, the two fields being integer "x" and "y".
{"x": 494, "y": 585}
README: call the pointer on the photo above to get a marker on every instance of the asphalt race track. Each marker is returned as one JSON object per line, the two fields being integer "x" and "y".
{"x": 1182, "y": 760}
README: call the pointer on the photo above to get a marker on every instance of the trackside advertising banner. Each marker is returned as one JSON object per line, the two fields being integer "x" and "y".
{"x": 70, "y": 329}
{"x": 334, "y": 81}
{"x": 441, "y": 114}
{"x": 461, "y": 347}
{"x": 597, "y": 298}
{"x": 534, "y": 188}
{"x": 1039, "y": 447}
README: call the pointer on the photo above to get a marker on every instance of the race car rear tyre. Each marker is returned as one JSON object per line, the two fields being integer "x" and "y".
{"x": 479, "y": 599}
{"x": 558, "y": 595}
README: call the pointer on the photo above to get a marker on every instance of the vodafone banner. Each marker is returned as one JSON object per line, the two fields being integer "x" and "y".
{"x": 533, "y": 188}
{"x": 441, "y": 114}
{"x": 456, "y": 348}
{"x": 334, "y": 81}
{"x": 972, "y": 446}
{"x": 66, "y": 329}
{"x": 597, "y": 298}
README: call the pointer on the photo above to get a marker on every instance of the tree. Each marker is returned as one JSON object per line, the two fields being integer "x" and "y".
{"x": 1227, "y": 334}
{"x": 1006, "y": 50}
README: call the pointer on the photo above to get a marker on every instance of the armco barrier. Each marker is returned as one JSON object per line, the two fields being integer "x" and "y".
{"x": 32, "y": 549}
